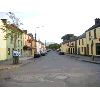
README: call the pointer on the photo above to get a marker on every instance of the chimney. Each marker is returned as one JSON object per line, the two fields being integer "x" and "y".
{"x": 4, "y": 20}
{"x": 97, "y": 21}
{"x": 25, "y": 31}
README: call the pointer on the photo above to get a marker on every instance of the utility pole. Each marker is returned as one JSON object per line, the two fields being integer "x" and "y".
{"x": 35, "y": 43}
{"x": 45, "y": 43}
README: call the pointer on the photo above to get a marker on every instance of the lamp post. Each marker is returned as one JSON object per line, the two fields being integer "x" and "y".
{"x": 92, "y": 47}
{"x": 36, "y": 39}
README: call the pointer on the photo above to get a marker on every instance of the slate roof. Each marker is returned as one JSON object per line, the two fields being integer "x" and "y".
{"x": 97, "y": 24}
{"x": 82, "y": 36}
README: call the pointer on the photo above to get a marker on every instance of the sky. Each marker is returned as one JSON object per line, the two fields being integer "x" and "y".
{"x": 54, "y": 18}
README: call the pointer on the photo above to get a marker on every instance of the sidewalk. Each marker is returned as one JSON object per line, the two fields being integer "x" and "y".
{"x": 85, "y": 58}
{"x": 8, "y": 64}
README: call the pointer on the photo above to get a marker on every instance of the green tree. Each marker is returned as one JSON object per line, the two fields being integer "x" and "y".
{"x": 54, "y": 46}
{"x": 67, "y": 37}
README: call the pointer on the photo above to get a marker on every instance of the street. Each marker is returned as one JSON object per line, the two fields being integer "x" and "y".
{"x": 52, "y": 70}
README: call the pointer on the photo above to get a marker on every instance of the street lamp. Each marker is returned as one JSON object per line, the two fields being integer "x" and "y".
{"x": 36, "y": 38}
{"x": 92, "y": 47}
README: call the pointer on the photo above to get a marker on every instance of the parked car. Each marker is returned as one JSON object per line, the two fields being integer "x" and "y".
{"x": 58, "y": 50}
{"x": 43, "y": 53}
{"x": 48, "y": 50}
{"x": 61, "y": 53}
{"x": 37, "y": 55}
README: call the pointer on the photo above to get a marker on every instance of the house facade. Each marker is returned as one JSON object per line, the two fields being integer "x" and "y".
{"x": 64, "y": 47}
{"x": 81, "y": 45}
{"x": 3, "y": 43}
{"x": 7, "y": 44}
{"x": 86, "y": 44}
{"x": 93, "y": 39}
{"x": 27, "y": 44}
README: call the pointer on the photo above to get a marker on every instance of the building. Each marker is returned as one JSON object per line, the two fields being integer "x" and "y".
{"x": 3, "y": 43}
{"x": 32, "y": 44}
{"x": 8, "y": 44}
{"x": 72, "y": 46}
{"x": 27, "y": 44}
{"x": 64, "y": 47}
{"x": 86, "y": 44}
{"x": 81, "y": 45}
{"x": 69, "y": 46}
{"x": 93, "y": 39}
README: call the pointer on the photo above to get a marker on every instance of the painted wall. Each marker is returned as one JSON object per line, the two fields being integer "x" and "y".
{"x": 81, "y": 48}
{"x": 3, "y": 54}
{"x": 89, "y": 40}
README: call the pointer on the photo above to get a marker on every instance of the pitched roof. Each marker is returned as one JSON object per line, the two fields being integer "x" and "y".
{"x": 97, "y": 24}
{"x": 82, "y": 36}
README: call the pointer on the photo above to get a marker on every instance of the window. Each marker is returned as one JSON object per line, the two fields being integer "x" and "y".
{"x": 91, "y": 49}
{"x": 73, "y": 50}
{"x": 21, "y": 43}
{"x": 97, "y": 48}
{"x": 82, "y": 49}
{"x": 82, "y": 42}
{"x": 89, "y": 35}
{"x": 79, "y": 42}
{"x": 21, "y": 36}
{"x": 94, "y": 33}
{"x": 8, "y": 51}
{"x": 18, "y": 35}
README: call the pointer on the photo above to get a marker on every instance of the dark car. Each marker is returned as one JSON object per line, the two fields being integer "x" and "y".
{"x": 37, "y": 55}
{"x": 43, "y": 53}
{"x": 61, "y": 53}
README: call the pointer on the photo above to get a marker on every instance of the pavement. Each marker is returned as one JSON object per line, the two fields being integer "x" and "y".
{"x": 8, "y": 64}
{"x": 85, "y": 58}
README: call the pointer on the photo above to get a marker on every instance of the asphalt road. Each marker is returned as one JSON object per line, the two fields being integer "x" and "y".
{"x": 53, "y": 70}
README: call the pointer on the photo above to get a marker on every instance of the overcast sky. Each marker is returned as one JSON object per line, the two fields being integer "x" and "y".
{"x": 59, "y": 17}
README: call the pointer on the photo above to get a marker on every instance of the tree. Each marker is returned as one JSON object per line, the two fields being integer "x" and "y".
{"x": 54, "y": 46}
{"x": 68, "y": 37}
{"x": 12, "y": 29}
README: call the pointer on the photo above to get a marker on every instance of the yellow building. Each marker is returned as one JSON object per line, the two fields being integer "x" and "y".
{"x": 93, "y": 39}
{"x": 7, "y": 45}
{"x": 69, "y": 46}
{"x": 33, "y": 47}
{"x": 86, "y": 44}
{"x": 72, "y": 46}
{"x": 3, "y": 47}
{"x": 27, "y": 44}
{"x": 81, "y": 45}
{"x": 64, "y": 47}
